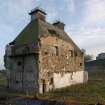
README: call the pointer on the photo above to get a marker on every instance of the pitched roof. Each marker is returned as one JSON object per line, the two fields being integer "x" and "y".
{"x": 29, "y": 34}
{"x": 38, "y": 28}
{"x": 49, "y": 29}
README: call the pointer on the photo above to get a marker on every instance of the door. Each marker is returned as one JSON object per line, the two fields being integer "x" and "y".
{"x": 44, "y": 86}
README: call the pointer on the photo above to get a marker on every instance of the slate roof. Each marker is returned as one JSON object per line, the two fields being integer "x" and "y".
{"x": 38, "y": 28}
{"x": 29, "y": 34}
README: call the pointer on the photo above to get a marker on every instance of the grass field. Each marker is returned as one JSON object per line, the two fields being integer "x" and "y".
{"x": 91, "y": 92}
{"x": 3, "y": 81}
{"x": 6, "y": 93}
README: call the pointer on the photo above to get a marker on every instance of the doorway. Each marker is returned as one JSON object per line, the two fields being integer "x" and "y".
{"x": 43, "y": 86}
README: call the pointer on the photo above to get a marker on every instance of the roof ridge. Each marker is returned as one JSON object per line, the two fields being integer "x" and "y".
{"x": 65, "y": 36}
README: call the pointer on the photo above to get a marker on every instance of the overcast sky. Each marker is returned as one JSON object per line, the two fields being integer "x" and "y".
{"x": 84, "y": 19}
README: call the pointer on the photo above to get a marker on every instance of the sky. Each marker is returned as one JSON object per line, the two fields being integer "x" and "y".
{"x": 84, "y": 20}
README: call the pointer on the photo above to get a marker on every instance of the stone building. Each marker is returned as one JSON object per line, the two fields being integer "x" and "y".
{"x": 43, "y": 57}
{"x": 100, "y": 56}
{"x": 96, "y": 69}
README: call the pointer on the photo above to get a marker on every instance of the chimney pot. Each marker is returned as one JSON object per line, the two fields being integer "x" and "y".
{"x": 59, "y": 24}
{"x": 37, "y": 14}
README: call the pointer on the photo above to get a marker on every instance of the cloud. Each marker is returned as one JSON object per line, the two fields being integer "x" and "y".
{"x": 91, "y": 39}
{"x": 94, "y": 11}
{"x": 14, "y": 17}
{"x": 51, "y": 9}
{"x": 71, "y": 6}
{"x": 90, "y": 33}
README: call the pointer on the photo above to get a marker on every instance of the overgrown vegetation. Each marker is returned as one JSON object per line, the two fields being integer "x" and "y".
{"x": 4, "y": 91}
{"x": 91, "y": 92}
{"x": 3, "y": 81}
{"x": 97, "y": 75}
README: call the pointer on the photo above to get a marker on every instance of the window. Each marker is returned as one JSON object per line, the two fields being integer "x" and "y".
{"x": 80, "y": 64}
{"x": 19, "y": 63}
{"x": 46, "y": 52}
{"x": 56, "y": 51}
{"x": 17, "y": 81}
{"x": 70, "y": 53}
{"x": 67, "y": 57}
{"x": 51, "y": 81}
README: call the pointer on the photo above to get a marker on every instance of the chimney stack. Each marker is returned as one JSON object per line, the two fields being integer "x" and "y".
{"x": 59, "y": 24}
{"x": 38, "y": 14}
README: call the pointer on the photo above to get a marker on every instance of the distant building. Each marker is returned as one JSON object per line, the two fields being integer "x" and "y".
{"x": 95, "y": 65}
{"x": 43, "y": 57}
{"x": 96, "y": 69}
{"x": 100, "y": 56}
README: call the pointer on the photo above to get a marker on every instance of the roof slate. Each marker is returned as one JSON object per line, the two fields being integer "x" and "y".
{"x": 29, "y": 34}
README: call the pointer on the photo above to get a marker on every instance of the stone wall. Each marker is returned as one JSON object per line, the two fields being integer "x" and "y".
{"x": 67, "y": 59}
{"x": 67, "y": 79}
{"x": 57, "y": 56}
{"x": 24, "y": 73}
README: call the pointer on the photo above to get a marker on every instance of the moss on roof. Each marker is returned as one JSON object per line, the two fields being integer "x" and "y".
{"x": 38, "y": 28}
{"x": 29, "y": 34}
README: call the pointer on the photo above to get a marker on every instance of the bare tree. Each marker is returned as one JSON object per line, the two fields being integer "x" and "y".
{"x": 87, "y": 57}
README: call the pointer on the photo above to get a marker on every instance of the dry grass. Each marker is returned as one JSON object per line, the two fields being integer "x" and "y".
{"x": 92, "y": 92}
